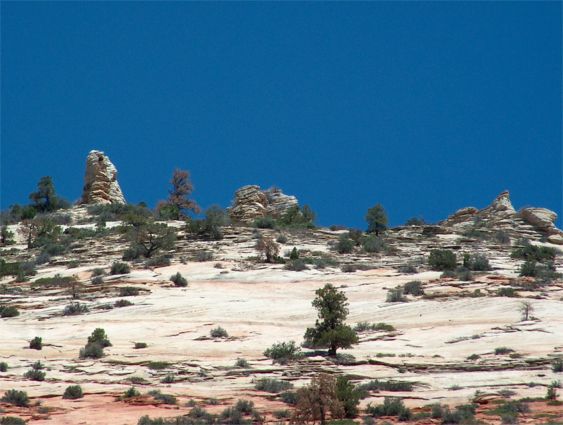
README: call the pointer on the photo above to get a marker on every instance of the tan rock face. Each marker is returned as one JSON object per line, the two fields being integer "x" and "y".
{"x": 100, "y": 181}
{"x": 251, "y": 203}
{"x": 539, "y": 217}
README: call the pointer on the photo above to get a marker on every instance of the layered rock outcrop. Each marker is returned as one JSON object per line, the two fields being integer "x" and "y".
{"x": 251, "y": 203}
{"x": 100, "y": 181}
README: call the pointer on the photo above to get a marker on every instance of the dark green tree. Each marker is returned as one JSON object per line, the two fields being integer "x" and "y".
{"x": 330, "y": 331}
{"x": 348, "y": 395}
{"x": 46, "y": 199}
{"x": 376, "y": 219}
{"x": 149, "y": 238}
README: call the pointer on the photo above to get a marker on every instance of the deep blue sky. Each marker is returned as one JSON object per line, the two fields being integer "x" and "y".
{"x": 426, "y": 107}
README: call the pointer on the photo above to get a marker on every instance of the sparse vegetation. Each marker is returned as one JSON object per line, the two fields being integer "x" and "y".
{"x": 442, "y": 259}
{"x": 74, "y": 309}
{"x": 414, "y": 287}
{"x": 120, "y": 268}
{"x": 8, "y": 311}
{"x": 271, "y": 385}
{"x": 375, "y": 327}
{"x": 73, "y": 392}
{"x": 534, "y": 253}
{"x": 16, "y": 398}
{"x": 376, "y": 219}
{"x": 391, "y": 407}
{"x": 163, "y": 398}
{"x": 330, "y": 331}
{"x": 395, "y": 295}
{"x": 345, "y": 245}
{"x": 283, "y": 352}
{"x": 267, "y": 247}
{"x": 129, "y": 291}
{"x": 140, "y": 345}
{"x": 3, "y": 367}
{"x": 476, "y": 262}
{"x": 36, "y": 343}
{"x": 179, "y": 280}
{"x": 219, "y": 332}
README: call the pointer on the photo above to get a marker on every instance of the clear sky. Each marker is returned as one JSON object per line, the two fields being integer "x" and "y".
{"x": 425, "y": 107}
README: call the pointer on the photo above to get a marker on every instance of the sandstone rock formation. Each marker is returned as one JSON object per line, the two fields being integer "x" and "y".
{"x": 100, "y": 181}
{"x": 531, "y": 223}
{"x": 251, "y": 203}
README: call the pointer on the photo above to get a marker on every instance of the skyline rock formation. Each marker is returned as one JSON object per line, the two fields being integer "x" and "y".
{"x": 251, "y": 203}
{"x": 100, "y": 181}
{"x": 501, "y": 215}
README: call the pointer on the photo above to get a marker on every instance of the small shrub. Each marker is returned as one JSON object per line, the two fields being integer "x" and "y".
{"x": 8, "y": 311}
{"x": 442, "y": 259}
{"x": 281, "y": 414}
{"x": 265, "y": 223}
{"x": 395, "y": 295}
{"x": 140, "y": 345}
{"x": 373, "y": 244}
{"x": 42, "y": 258}
{"x": 74, "y": 309}
{"x": 534, "y": 253}
{"x": 283, "y": 352}
{"x": 35, "y": 375}
{"x": 73, "y": 392}
{"x": 122, "y": 303}
{"x": 131, "y": 392}
{"x": 36, "y": 343}
{"x": 476, "y": 262}
{"x": 179, "y": 280}
{"x": 507, "y": 292}
{"x": 97, "y": 280}
{"x": 289, "y": 397}
{"x": 242, "y": 363}
{"x": 391, "y": 407}
{"x": 557, "y": 365}
{"x": 128, "y": 291}
{"x": 551, "y": 393}
{"x": 296, "y": 265}
{"x": 99, "y": 337}
{"x": 160, "y": 261}
{"x": 271, "y": 385}
{"x": 503, "y": 351}
{"x": 219, "y": 332}
{"x": 408, "y": 269}
{"x": 281, "y": 239}
{"x": 245, "y": 406}
{"x": 413, "y": 287}
{"x": 158, "y": 365}
{"x": 391, "y": 385}
{"x": 120, "y": 268}
{"x": 349, "y": 268}
{"x": 203, "y": 255}
{"x": 168, "y": 379}
{"x": 345, "y": 245}
{"x": 11, "y": 420}
{"x": 3, "y": 367}
{"x": 163, "y": 398}
{"x": 16, "y": 398}
{"x": 366, "y": 326}
{"x": 98, "y": 272}
{"x": 91, "y": 351}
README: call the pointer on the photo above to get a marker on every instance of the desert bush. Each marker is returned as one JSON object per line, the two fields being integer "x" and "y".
{"x": 281, "y": 239}
{"x": 296, "y": 265}
{"x": 408, "y": 269}
{"x": 16, "y": 398}
{"x": 242, "y": 363}
{"x": 348, "y": 395}
{"x": 501, "y": 237}
{"x": 55, "y": 281}
{"x": 73, "y": 392}
{"x": 345, "y": 245}
{"x": 140, "y": 345}
{"x": 36, "y": 343}
{"x": 129, "y": 291}
{"x": 415, "y": 221}
{"x": 42, "y": 258}
{"x": 461, "y": 415}
{"x": 11, "y": 420}
{"x": 163, "y": 398}
{"x": 557, "y": 365}
{"x": 158, "y": 365}
{"x": 122, "y": 303}
{"x": 268, "y": 247}
{"x": 476, "y": 262}
{"x": 91, "y": 351}
{"x": 289, "y": 397}
{"x": 3, "y": 367}
{"x": 373, "y": 244}
{"x": 391, "y": 385}
{"x": 265, "y": 223}
{"x": 534, "y": 253}
{"x": 244, "y": 406}
{"x": 391, "y": 407}
{"x": 74, "y": 309}
{"x": 298, "y": 218}
{"x": 442, "y": 259}
{"x": 283, "y": 352}
{"x": 179, "y": 280}
{"x": 507, "y": 292}
{"x": 97, "y": 280}
{"x": 349, "y": 268}
{"x": 271, "y": 385}
{"x": 395, "y": 295}
{"x": 100, "y": 337}
{"x": 34, "y": 375}
{"x": 218, "y": 332}
{"x": 98, "y": 272}
{"x": 120, "y": 268}
{"x": 8, "y": 311}
{"x": 159, "y": 261}
{"x": 131, "y": 392}
{"x": 366, "y": 326}
{"x": 203, "y": 255}
{"x": 168, "y": 379}
{"x": 414, "y": 287}
{"x": 503, "y": 351}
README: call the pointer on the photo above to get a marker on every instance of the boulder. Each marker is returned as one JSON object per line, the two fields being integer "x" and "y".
{"x": 100, "y": 181}
{"x": 540, "y": 218}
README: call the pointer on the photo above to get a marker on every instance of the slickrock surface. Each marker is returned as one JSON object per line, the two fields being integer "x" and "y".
{"x": 260, "y": 304}
{"x": 100, "y": 181}
{"x": 251, "y": 202}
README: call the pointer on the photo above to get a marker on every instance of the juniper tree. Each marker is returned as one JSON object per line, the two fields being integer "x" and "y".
{"x": 376, "y": 219}
{"x": 330, "y": 331}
